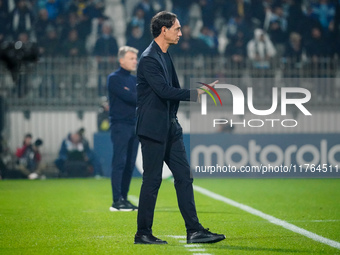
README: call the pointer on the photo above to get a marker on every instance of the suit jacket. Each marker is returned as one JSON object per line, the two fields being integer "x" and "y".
{"x": 154, "y": 94}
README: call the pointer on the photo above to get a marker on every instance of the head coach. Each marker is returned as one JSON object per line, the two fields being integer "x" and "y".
{"x": 160, "y": 134}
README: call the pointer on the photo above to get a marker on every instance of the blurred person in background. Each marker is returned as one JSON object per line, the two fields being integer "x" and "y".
{"x": 292, "y": 57}
{"x": 137, "y": 39}
{"x": 105, "y": 51}
{"x": 75, "y": 158}
{"x": 73, "y": 22}
{"x": 103, "y": 116}
{"x": 73, "y": 46}
{"x": 236, "y": 53}
{"x": 53, "y": 7}
{"x": 29, "y": 158}
{"x": 148, "y": 10}
{"x": 21, "y": 19}
{"x": 122, "y": 94}
{"x": 237, "y": 24}
{"x": 6, "y": 158}
{"x": 188, "y": 46}
{"x": 4, "y": 15}
{"x": 210, "y": 41}
{"x": 42, "y": 24}
{"x": 261, "y": 52}
{"x": 208, "y": 13}
{"x": 324, "y": 12}
{"x": 319, "y": 51}
{"x": 137, "y": 20}
{"x": 277, "y": 29}
{"x": 90, "y": 154}
{"x": 49, "y": 45}
{"x": 181, "y": 9}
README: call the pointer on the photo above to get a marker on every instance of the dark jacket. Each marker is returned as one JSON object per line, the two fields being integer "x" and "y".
{"x": 122, "y": 97}
{"x": 155, "y": 93}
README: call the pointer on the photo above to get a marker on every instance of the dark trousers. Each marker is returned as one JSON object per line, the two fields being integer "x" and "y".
{"x": 125, "y": 145}
{"x": 172, "y": 152}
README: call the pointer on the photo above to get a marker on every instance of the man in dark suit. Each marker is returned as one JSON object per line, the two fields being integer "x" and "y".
{"x": 160, "y": 134}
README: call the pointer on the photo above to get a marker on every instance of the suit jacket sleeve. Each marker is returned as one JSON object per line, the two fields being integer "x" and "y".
{"x": 154, "y": 76}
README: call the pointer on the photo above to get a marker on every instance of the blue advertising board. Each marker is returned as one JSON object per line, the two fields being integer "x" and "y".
{"x": 249, "y": 155}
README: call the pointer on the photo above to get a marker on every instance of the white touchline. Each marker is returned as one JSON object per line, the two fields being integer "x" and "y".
{"x": 269, "y": 218}
{"x": 192, "y": 245}
{"x": 196, "y": 249}
{"x": 177, "y": 237}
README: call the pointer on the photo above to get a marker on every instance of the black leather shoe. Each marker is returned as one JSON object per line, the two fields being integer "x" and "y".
{"x": 204, "y": 236}
{"x": 148, "y": 239}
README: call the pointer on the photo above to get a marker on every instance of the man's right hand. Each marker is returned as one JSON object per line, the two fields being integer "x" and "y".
{"x": 201, "y": 91}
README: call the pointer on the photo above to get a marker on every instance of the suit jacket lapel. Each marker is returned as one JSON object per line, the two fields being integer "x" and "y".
{"x": 162, "y": 61}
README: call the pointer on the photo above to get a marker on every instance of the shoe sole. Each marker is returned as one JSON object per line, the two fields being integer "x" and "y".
{"x": 112, "y": 209}
{"x": 207, "y": 240}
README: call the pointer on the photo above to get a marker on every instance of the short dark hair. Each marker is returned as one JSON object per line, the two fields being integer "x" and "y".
{"x": 162, "y": 19}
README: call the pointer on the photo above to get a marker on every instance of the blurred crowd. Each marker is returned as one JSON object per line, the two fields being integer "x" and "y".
{"x": 75, "y": 158}
{"x": 252, "y": 28}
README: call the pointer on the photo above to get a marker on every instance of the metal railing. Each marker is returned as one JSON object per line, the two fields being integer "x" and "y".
{"x": 78, "y": 83}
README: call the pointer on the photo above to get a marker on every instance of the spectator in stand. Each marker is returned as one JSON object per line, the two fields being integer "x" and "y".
{"x": 73, "y": 46}
{"x": 181, "y": 9}
{"x": 74, "y": 22}
{"x": 65, "y": 26}
{"x": 293, "y": 48}
{"x": 237, "y": 8}
{"x": 137, "y": 20}
{"x": 208, "y": 15}
{"x": 317, "y": 46}
{"x": 318, "y": 51}
{"x": 49, "y": 44}
{"x": 295, "y": 16}
{"x": 29, "y": 158}
{"x": 4, "y": 15}
{"x": 277, "y": 29}
{"x": 146, "y": 6}
{"x": 105, "y": 51}
{"x": 261, "y": 51}
{"x": 292, "y": 57}
{"x": 53, "y": 7}
{"x": 236, "y": 52}
{"x": 21, "y": 19}
{"x": 186, "y": 48}
{"x": 23, "y": 37}
{"x": 210, "y": 41}
{"x": 60, "y": 25}
{"x": 94, "y": 9}
{"x": 41, "y": 25}
{"x": 237, "y": 24}
{"x": 77, "y": 7}
{"x": 324, "y": 12}
{"x": 306, "y": 24}
{"x": 138, "y": 40}
{"x": 333, "y": 36}
{"x": 258, "y": 13}
{"x": 106, "y": 45}
{"x": 73, "y": 159}
{"x": 187, "y": 45}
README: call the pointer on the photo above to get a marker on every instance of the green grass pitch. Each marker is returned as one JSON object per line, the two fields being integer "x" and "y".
{"x": 71, "y": 216}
